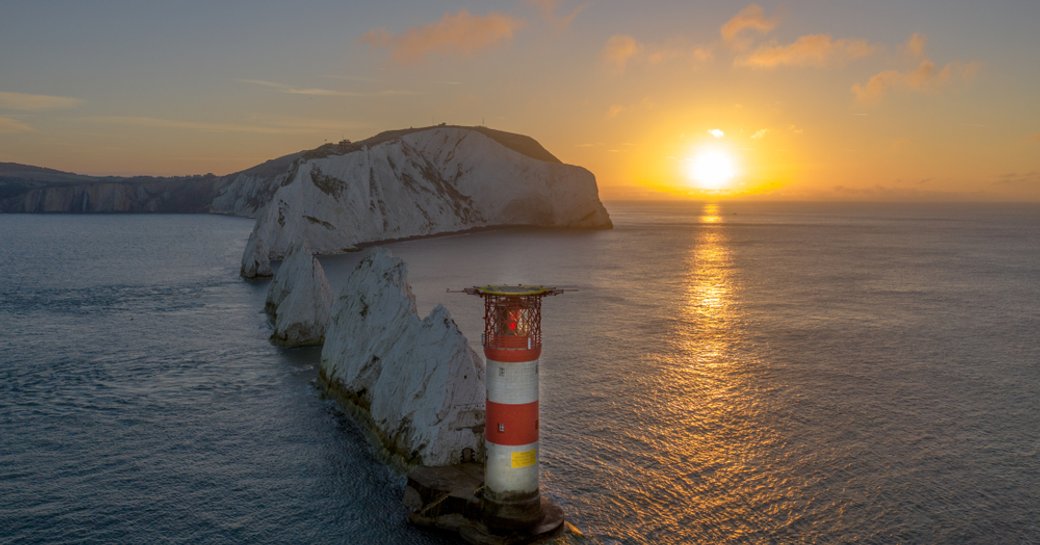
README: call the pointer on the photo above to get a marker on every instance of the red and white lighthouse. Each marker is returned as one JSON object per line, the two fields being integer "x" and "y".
{"x": 512, "y": 345}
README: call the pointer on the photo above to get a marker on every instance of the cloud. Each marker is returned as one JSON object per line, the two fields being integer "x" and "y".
{"x": 36, "y": 103}
{"x": 750, "y": 18}
{"x": 615, "y": 110}
{"x": 926, "y": 77}
{"x": 312, "y": 91}
{"x": 204, "y": 126}
{"x": 549, "y": 8}
{"x": 657, "y": 54}
{"x": 1018, "y": 179}
{"x": 899, "y": 191}
{"x": 759, "y": 134}
{"x": 304, "y": 124}
{"x": 8, "y": 125}
{"x": 915, "y": 45}
{"x": 814, "y": 50}
{"x": 621, "y": 50}
{"x": 701, "y": 54}
{"x": 455, "y": 33}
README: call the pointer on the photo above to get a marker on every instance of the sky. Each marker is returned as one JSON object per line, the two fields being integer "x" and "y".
{"x": 807, "y": 100}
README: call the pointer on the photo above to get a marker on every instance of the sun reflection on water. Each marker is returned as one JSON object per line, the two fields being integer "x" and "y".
{"x": 708, "y": 290}
{"x": 711, "y": 213}
{"x": 709, "y": 428}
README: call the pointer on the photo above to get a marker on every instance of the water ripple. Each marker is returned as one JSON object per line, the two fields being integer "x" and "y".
{"x": 809, "y": 374}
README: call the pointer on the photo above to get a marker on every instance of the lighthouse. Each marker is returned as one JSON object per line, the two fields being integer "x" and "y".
{"x": 512, "y": 342}
{"x": 499, "y": 503}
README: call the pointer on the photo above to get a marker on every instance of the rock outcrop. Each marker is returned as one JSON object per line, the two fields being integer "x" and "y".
{"x": 416, "y": 380}
{"x": 258, "y": 263}
{"x": 421, "y": 182}
{"x": 298, "y": 300}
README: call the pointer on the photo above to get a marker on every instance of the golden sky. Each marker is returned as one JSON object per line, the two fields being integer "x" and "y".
{"x": 936, "y": 100}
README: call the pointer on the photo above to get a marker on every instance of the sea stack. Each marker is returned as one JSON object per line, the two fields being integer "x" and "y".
{"x": 416, "y": 381}
{"x": 298, "y": 300}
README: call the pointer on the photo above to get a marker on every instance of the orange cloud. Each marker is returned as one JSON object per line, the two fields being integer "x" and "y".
{"x": 34, "y": 103}
{"x": 278, "y": 127}
{"x": 620, "y": 48}
{"x": 657, "y": 54}
{"x": 925, "y": 77}
{"x": 1019, "y": 178}
{"x": 816, "y": 50}
{"x": 459, "y": 32}
{"x": 8, "y": 125}
{"x": 701, "y": 54}
{"x": 319, "y": 92}
{"x": 750, "y": 18}
{"x": 549, "y": 8}
{"x": 915, "y": 45}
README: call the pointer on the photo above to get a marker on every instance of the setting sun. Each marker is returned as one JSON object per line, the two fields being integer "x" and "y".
{"x": 711, "y": 168}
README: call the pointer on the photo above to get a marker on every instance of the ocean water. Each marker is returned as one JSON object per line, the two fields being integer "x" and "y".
{"x": 723, "y": 373}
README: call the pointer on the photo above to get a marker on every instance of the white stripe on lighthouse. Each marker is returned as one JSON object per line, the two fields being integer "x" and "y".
{"x": 512, "y": 382}
{"x": 512, "y": 468}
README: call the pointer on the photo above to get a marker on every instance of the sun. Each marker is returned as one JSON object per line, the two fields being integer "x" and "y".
{"x": 711, "y": 168}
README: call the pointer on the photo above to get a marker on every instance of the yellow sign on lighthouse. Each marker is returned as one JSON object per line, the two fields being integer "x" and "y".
{"x": 524, "y": 458}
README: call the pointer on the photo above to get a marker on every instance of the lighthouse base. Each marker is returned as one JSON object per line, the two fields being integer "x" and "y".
{"x": 511, "y": 511}
{"x": 448, "y": 498}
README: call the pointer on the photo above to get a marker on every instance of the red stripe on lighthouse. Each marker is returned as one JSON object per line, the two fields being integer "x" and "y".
{"x": 512, "y": 348}
{"x": 513, "y": 355}
{"x": 508, "y": 424}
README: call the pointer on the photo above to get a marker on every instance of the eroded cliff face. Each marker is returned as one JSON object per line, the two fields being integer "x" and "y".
{"x": 245, "y": 193}
{"x": 191, "y": 194}
{"x": 416, "y": 380}
{"x": 29, "y": 189}
{"x": 418, "y": 183}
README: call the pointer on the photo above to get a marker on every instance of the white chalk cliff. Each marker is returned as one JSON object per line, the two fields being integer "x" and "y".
{"x": 298, "y": 300}
{"x": 419, "y": 182}
{"x": 418, "y": 379}
{"x": 245, "y": 193}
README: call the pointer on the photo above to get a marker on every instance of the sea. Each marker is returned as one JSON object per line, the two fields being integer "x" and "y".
{"x": 717, "y": 373}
